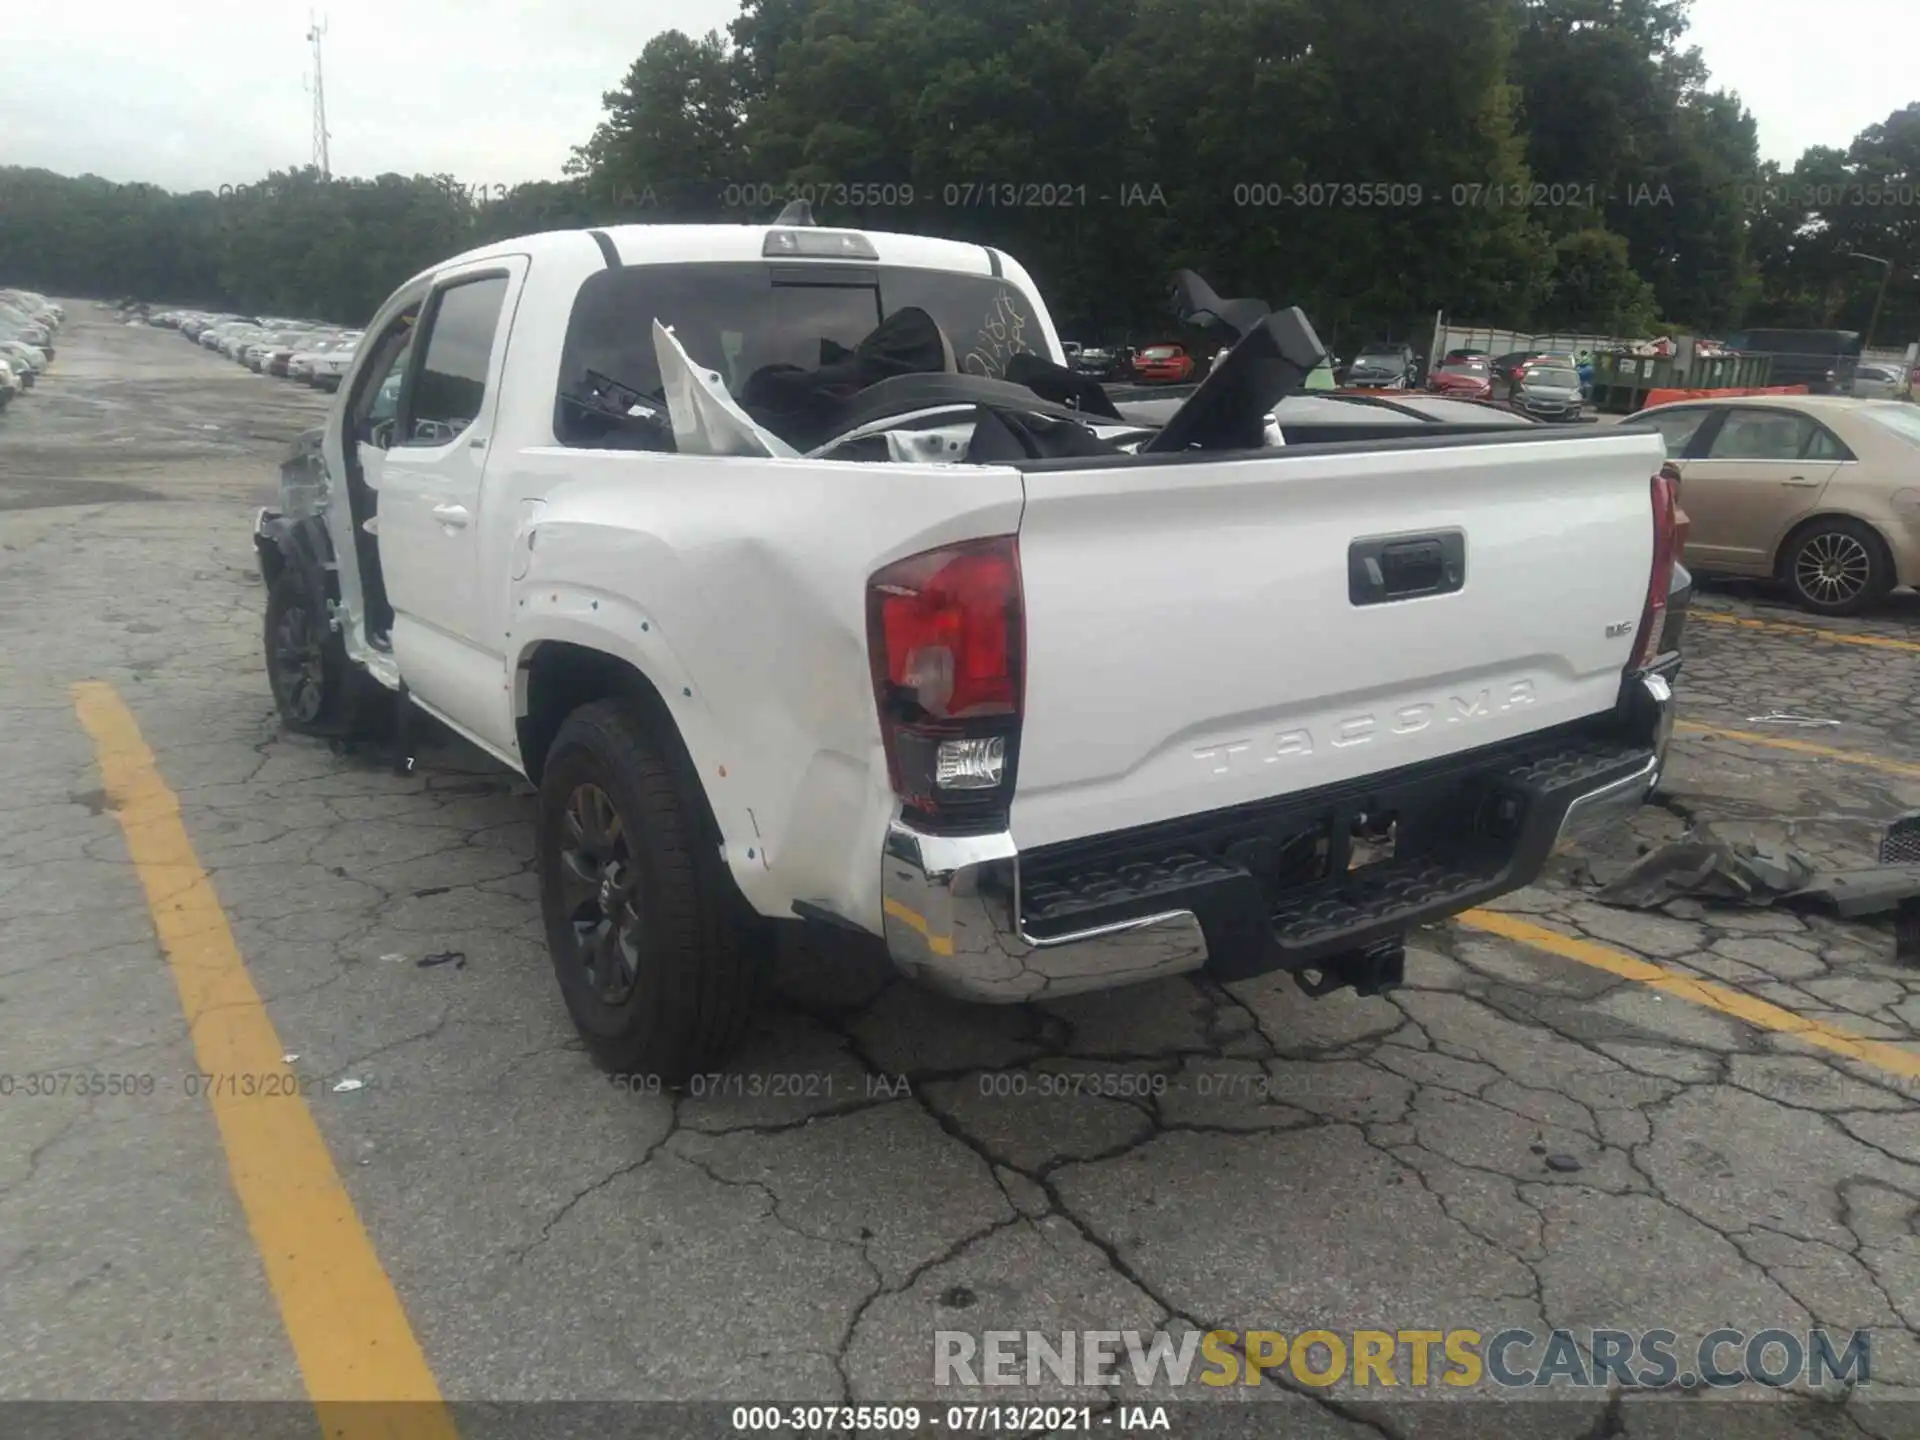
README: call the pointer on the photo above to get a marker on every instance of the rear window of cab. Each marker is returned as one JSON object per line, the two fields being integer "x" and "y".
{"x": 737, "y": 317}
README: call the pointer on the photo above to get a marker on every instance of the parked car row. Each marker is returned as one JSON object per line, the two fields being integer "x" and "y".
{"x": 28, "y": 322}
{"x": 1165, "y": 364}
{"x": 1541, "y": 385}
{"x": 308, "y": 351}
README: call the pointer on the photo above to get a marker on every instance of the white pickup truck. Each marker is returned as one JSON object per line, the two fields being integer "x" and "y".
{"x": 808, "y": 584}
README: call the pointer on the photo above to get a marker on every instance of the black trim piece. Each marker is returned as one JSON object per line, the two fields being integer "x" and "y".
{"x": 1228, "y": 412}
{"x": 1377, "y": 402}
{"x": 607, "y": 252}
{"x": 815, "y": 913}
{"x": 824, "y": 272}
{"x": 1331, "y": 432}
{"x": 904, "y": 394}
{"x": 993, "y": 261}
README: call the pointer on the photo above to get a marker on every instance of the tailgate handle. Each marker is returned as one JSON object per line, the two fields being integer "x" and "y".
{"x": 1403, "y": 567}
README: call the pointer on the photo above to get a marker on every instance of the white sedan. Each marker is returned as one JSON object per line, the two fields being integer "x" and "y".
{"x": 304, "y": 366}
{"x": 329, "y": 369}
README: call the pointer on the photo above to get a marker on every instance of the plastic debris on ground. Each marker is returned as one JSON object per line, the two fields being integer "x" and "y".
{"x": 1720, "y": 872}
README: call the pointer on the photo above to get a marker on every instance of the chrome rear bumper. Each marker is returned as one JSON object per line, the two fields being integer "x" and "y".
{"x": 952, "y": 908}
{"x": 954, "y": 915}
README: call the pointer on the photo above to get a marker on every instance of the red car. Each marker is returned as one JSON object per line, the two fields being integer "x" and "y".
{"x": 1470, "y": 378}
{"x": 1163, "y": 365}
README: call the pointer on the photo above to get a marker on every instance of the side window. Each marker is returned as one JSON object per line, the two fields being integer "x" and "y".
{"x": 1823, "y": 444}
{"x": 452, "y": 382}
{"x": 1762, "y": 435}
{"x": 376, "y": 394}
{"x": 1677, "y": 429}
{"x": 386, "y": 398}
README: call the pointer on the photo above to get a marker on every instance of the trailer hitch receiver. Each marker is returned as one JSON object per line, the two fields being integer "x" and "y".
{"x": 1375, "y": 970}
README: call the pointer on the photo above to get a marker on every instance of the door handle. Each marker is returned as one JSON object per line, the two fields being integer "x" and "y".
{"x": 454, "y": 516}
{"x": 1800, "y": 482}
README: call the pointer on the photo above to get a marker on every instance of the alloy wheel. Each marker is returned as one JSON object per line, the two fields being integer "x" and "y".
{"x": 600, "y": 892}
{"x": 1832, "y": 568}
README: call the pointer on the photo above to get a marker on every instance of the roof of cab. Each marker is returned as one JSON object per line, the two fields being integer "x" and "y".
{"x": 668, "y": 244}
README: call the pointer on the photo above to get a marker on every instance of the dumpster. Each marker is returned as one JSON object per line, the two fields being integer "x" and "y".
{"x": 1622, "y": 380}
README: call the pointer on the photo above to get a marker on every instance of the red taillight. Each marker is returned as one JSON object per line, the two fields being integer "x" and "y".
{"x": 945, "y": 636}
{"x": 1667, "y": 537}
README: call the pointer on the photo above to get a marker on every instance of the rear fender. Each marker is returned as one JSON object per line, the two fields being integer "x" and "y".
{"x": 554, "y": 613}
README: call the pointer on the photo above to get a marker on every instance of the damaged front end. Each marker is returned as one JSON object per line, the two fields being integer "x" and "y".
{"x": 294, "y": 537}
{"x": 304, "y": 490}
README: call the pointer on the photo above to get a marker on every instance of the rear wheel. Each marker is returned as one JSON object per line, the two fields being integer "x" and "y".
{"x": 660, "y": 962}
{"x": 1836, "y": 567}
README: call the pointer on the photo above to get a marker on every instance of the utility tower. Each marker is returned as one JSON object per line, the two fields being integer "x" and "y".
{"x": 315, "y": 30}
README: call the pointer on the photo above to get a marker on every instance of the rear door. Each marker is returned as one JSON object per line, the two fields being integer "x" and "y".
{"x": 1745, "y": 484}
{"x": 430, "y": 494}
{"x": 1207, "y": 632}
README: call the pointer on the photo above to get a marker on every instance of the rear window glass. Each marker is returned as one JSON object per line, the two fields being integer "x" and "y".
{"x": 1552, "y": 375}
{"x": 1676, "y": 428}
{"x": 1903, "y": 420}
{"x": 742, "y": 318}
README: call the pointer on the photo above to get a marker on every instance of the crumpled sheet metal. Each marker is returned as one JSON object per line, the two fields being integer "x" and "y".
{"x": 1730, "y": 873}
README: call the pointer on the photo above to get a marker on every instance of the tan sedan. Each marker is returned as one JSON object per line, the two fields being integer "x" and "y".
{"x": 1821, "y": 492}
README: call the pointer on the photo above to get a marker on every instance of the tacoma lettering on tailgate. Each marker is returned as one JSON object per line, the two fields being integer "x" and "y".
{"x": 1365, "y": 726}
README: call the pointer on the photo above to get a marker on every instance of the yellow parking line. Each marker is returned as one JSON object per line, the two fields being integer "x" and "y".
{"x": 1802, "y": 747}
{"x": 348, "y": 1330}
{"x": 1728, "y": 1001}
{"x": 913, "y": 919}
{"x": 1781, "y": 627}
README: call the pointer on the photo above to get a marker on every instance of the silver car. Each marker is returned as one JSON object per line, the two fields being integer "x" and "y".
{"x": 1873, "y": 381}
{"x": 1547, "y": 390}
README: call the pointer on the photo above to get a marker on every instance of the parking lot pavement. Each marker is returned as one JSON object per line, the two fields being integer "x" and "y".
{"x": 1572, "y": 1116}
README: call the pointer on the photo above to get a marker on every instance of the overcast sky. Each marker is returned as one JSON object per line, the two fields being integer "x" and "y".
{"x": 199, "y": 93}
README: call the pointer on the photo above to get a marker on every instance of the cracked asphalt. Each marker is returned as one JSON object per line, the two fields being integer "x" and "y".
{"x": 1515, "y": 1138}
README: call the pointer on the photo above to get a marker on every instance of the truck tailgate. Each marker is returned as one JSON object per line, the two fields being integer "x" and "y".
{"x": 1207, "y": 632}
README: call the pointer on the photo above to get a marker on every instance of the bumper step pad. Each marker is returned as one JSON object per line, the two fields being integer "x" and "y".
{"x": 1255, "y": 924}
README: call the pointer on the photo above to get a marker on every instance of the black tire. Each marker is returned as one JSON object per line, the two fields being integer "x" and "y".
{"x": 317, "y": 690}
{"x": 660, "y": 961}
{"x": 1836, "y": 566}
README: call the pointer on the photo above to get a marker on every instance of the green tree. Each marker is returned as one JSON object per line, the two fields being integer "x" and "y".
{"x": 671, "y": 134}
{"x": 1616, "y": 115}
{"x": 1596, "y": 288}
